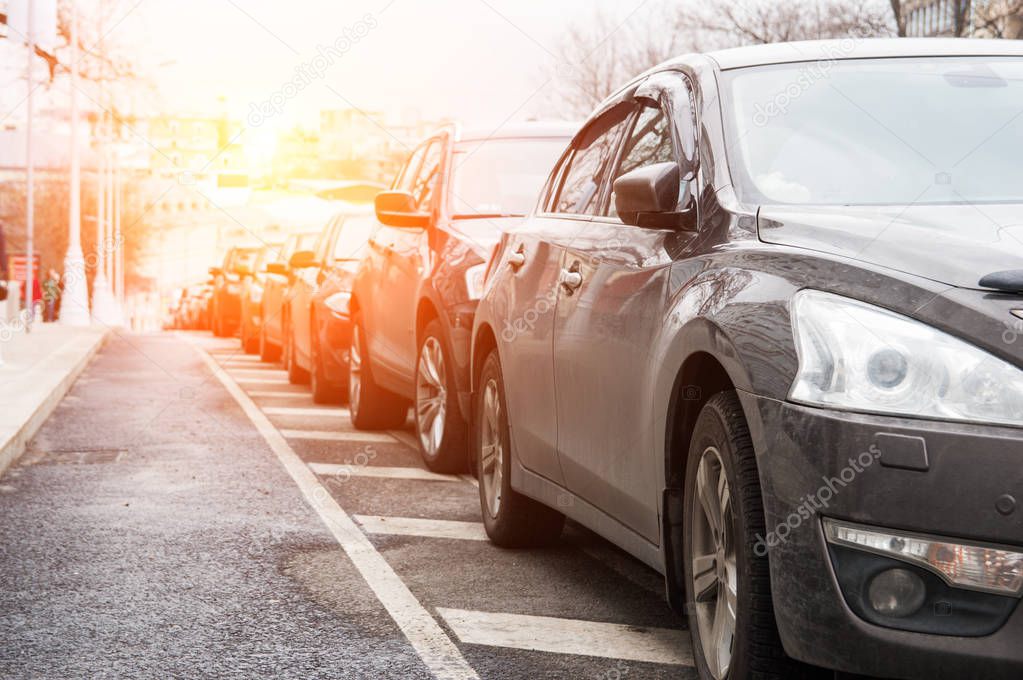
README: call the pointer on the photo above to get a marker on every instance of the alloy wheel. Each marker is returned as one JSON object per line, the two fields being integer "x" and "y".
{"x": 491, "y": 448}
{"x": 714, "y": 568}
{"x": 431, "y": 396}
{"x": 355, "y": 370}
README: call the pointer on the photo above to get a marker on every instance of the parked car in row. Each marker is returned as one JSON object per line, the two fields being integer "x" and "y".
{"x": 320, "y": 326}
{"x": 279, "y": 275}
{"x": 227, "y": 287}
{"x": 416, "y": 289}
{"x": 251, "y": 296}
{"x": 762, "y": 347}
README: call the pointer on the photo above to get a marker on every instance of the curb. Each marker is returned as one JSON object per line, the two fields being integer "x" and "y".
{"x": 12, "y": 449}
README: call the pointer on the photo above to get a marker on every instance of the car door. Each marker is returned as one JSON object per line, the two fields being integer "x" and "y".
{"x": 607, "y": 319}
{"x": 406, "y": 266}
{"x": 373, "y": 286}
{"x": 529, "y": 267}
{"x": 302, "y": 290}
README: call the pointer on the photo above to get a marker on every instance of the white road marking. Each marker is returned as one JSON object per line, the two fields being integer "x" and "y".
{"x": 425, "y": 528}
{"x": 433, "y": 646}
{"x": 405, "y": 438}
{"x": 380, "y": 437}
{"x": 334, "y": 469}
{"x": 322, "y": 411}
{"x": 279, "y": 395}
{"x": 472, "y": 480}
{"x": 257, "y": 371}
{"x": 571, "y": 636}
{"x": 262, "y": 381}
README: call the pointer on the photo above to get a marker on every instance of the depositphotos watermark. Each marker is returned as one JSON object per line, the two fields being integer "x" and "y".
{"x": 306, "y": 72}
{"x": 820, "y": 500}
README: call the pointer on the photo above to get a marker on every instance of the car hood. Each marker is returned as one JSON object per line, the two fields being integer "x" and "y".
{"x": 952, "y": 244}
{"x": 482, "y": 234}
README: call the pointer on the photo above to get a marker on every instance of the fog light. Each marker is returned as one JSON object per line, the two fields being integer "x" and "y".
{"x": 897, "y": 593}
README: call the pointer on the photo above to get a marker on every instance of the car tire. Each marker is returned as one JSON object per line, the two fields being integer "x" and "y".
{"x": 250, "y": 341}
{"x": 510, "y": 519}
{"x": 324, "y": 391}
{"x": 723, "y": 516}
{"x": 372, "y": 407}
{"x": 442, "y": 433}
{"x": 296, "y": 374}
{"x": 218, "y": 325}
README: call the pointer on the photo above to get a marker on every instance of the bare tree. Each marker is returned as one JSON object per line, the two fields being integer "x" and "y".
{"x": 596, "y": 57}
{"x": 763, "y": 21}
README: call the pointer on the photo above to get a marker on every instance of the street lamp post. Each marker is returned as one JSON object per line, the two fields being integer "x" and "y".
{"x": 30, "y": 188}
{"x": 74, "y": 304}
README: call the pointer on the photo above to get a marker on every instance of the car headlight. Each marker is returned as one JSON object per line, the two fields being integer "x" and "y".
{"x": 474, "y": 279}
{"x": 859, "y": 357}
{"x": 338, "y": 303}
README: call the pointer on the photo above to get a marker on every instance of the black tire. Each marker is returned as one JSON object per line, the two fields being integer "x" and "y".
{"x": 451, "y": 455}
{"x": 519, "y": 521}
{"x": 296, "y": 374}
{"x": 324, "y": 391}
{"x": 756, "y": 650}
{"x": 372, "y": 407}
{"x": 250, "y": 341}
{"x": 267, "y": 352}
{"x": 218, "y": 323}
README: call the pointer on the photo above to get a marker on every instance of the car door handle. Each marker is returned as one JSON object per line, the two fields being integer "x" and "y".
{"x": 517, "y": 259}
{"x": 571, "y": 280}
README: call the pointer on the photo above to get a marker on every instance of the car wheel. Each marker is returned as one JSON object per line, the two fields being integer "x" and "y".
{"x": 440, "y": 429}
{"x": 728, "y": 588}
{"x": 218, "y": 326}
{"x": 324, "y": 391}
{"x": 511, "y": 519}
{"x": 296, "y": 374}
{"x": 372, "y": 407}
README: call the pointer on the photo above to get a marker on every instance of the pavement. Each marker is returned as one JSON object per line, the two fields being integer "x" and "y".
{"x": 36, "y": 369}
{"x": 185, "y": 512}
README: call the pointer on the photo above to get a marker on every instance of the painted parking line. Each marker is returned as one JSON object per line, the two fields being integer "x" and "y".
{"x": 424, "y": 528}
{"x": 379, "y": 437}
{"x": 440, "y": 655}
{"x": 325, "y": 411}
{"x": 262, "y": 381}
{"x": 570, "y": 636}
{"x": 380, "y": 471}
{"x": 257, "y": 371}
{"x": 278, "y": 395}
{"x": 405, "y": 438}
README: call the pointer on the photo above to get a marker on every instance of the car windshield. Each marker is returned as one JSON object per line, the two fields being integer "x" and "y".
{"x": 355, "y": 233}
{"x": 502, "y": 176}
{"x": 877, "y": 131}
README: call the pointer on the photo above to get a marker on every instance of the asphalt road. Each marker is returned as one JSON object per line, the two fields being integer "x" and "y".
{"x": 186, "y": 513}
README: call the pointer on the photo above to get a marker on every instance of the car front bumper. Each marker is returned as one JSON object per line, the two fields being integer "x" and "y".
{"x": 935, "y": 478}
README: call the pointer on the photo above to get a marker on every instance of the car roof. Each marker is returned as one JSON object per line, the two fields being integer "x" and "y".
{"x": 869, "y": 48}
{"x": 563, "y": 129}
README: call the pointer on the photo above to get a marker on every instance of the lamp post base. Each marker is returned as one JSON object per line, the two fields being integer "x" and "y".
{"x": 74, "y": 300}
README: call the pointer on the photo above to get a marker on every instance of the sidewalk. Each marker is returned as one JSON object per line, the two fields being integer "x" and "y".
{"x": 37, "y": 371}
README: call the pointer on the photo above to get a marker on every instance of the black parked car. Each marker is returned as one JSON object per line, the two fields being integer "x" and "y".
{"x": 762, "y": 333}
{"x": 417, "y": 287}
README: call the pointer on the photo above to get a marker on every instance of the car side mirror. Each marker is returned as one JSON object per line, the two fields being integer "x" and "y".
{"x": 278, "y": 268}
{"x": 649, "y": 197}
{"x": 216, "y": 271}
{"x": 303, "y": 259}
{"x": 399, "y": 209}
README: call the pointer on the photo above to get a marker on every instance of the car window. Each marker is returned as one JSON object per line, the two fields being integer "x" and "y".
{"x": 594, "y": 150}
{"x": 648, "y": 143}
{"x": 426, "y": 178}
{"x": 408, "y": 173}
{"x": 354, "y": 234}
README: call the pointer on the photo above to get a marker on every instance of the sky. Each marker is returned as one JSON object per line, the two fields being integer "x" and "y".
{"x": 480, "y": 61}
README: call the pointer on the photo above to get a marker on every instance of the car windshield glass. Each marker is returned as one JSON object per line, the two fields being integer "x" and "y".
{"x": 502, "y": 176}
{"x": 877, "y": 131}
{"x": 355, "y": 233}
